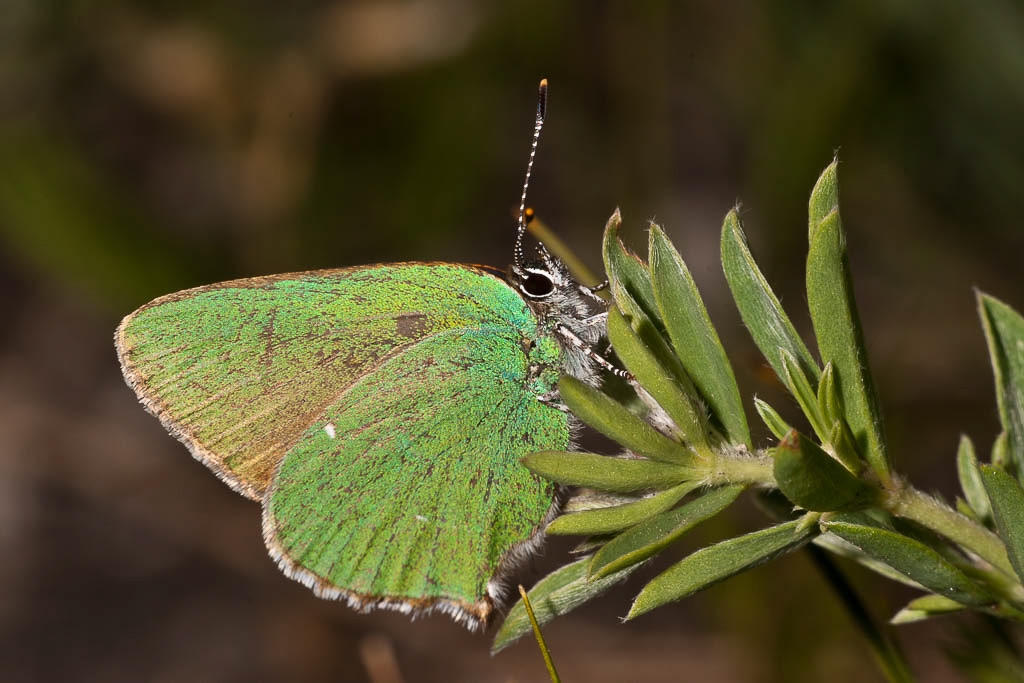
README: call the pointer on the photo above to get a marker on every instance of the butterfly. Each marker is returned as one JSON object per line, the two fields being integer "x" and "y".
{"x": 379, "y": 414}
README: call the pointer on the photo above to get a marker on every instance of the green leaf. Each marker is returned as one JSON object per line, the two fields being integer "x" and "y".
{"x": 591, "y": 499}
{"x": 824, "y": 198}
{"x": 970, "y": 479}
{"x": 760, "y": 309}
{"x": 694, "y": 338}
{"x": 830, "y": 406}
{"x": 912, "y": 558}
{"x": 836, "y": 324}
{"x": 1001, "y": 456}
{"x": 800, "y": 387}
{"x": 628, "y": 277}
{"x": 651, "y": 537}
{"x": 558, "y": 593}
{"x": 1007, "y": 500}
{"x": 718, "y": 562}
{"x": 771, "y": 418}
{"x": 813, "y": 479}
{"x": 666, "y": 381}
{"x": 1004, "y": 330}
{"x": 838, "y": 546}
{"x": 606, "y": 472}
{"x": 926, "y": 607}
{"x": 614, "y": 420}
{"x": 630, "y": 284}
{"x": 609, "y": 519}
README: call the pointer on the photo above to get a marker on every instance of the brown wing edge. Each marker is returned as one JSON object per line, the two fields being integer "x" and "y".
{"x": 155, "y": 407}
{"x": 475, "y": 616}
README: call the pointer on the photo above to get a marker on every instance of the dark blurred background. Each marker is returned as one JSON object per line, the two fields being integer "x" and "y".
{"x": 150, "y": 147}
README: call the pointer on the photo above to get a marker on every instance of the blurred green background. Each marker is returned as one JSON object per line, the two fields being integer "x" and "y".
{"x": 149, "y": 147}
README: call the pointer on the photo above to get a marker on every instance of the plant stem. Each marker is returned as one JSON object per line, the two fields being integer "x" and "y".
{"x": 906, "y": 501}
{"x": 890, "y": 658}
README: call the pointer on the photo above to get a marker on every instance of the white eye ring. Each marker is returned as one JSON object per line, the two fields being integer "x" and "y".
{"x": 536, "y": 279}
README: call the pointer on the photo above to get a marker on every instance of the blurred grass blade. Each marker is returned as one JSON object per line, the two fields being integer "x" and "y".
{"x": 651, "y": 537}
{"x": 1004, "y": 331}
{"x": 800, "y": 387}
{"x": 718, "y": 562}
{"x": 912, "y": 558}
{"x": 970, "y": 479}
{"x": 606, "y": 472}
{"x": 926, "y": 607}
{"x": 609, "y": 519}
{"x": 836, "y": 324}
{"x": 557, "y": 246}
{"x": 694, "y": 338}
{"x": 771, "y": 418}
{"x": 525, "y": 599}
{"x": 556, "y": 594}
{"x": 672, "y": 390}
{"x": 813, "y": 479}
{"x": 614, "y": 420}
{"x": 1007, "y": 501}
{"x": 758, "y": 306}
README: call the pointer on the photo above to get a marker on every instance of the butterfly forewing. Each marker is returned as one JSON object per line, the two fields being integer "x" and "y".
{"x": 408, "y": 492}
{"x": 238, "y": 371}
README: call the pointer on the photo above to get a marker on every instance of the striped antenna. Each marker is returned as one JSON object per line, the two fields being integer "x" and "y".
{"x": 542, "y": 107}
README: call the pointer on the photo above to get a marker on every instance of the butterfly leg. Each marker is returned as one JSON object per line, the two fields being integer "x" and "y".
{"x": 591, "y": 292}
{"x": 595, "y": 319}
{"x": 586, "y": 348}
{"x": 552, "y": 399}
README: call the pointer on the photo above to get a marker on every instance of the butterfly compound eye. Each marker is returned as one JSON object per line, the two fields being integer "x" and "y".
{"x": 537, "y": 284}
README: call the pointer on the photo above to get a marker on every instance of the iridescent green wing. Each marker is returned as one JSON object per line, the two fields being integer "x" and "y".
{"x": 238, "y": 371}
{"x": 408, "y": 492}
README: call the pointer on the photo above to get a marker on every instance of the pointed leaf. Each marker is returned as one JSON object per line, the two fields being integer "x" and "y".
{"x": 829, "y": 405}
{"x": 630, "y": 284}
{"x": 759, "y": 307}
{"x": 609, "y": 519}
{"x": 912, "y": 558}
{"x": 1007, "y": 500}
{"x": 775, "y": 423}
{"x": 1004, "y": 330}
{"x": 672, "y": 389}
{"x": 558, "y": 593}
{"x": 614, "y": 420}
{"x": 718, "y": 562}
{"x": 606, "y": 472}
{"x": 839, "y": 547}
{"x": 814, "y": 480}
{"x": 970, "y": 479}
{"x": 926, "y": 607}
{"x": 1001, "y": 451}
{"x": 651, "y": 537}
{"x": 800, "y": 387}
{"x": 694, "y": 338}
{"x": 591, "y": 499}
{"x": 836, "y": 323}
{"x": 628, "y": 276}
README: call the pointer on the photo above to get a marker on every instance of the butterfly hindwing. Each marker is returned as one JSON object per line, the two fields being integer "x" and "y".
{"x": 238, "y": 371}
{"x": 408, "y": 492}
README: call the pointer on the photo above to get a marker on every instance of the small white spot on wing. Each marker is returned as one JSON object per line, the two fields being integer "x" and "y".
{"x": 329, "y": 428}
{"x": 421, "y": 518}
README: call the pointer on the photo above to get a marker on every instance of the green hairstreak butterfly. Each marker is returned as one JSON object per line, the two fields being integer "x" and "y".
{"x": 379, "y": 414}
